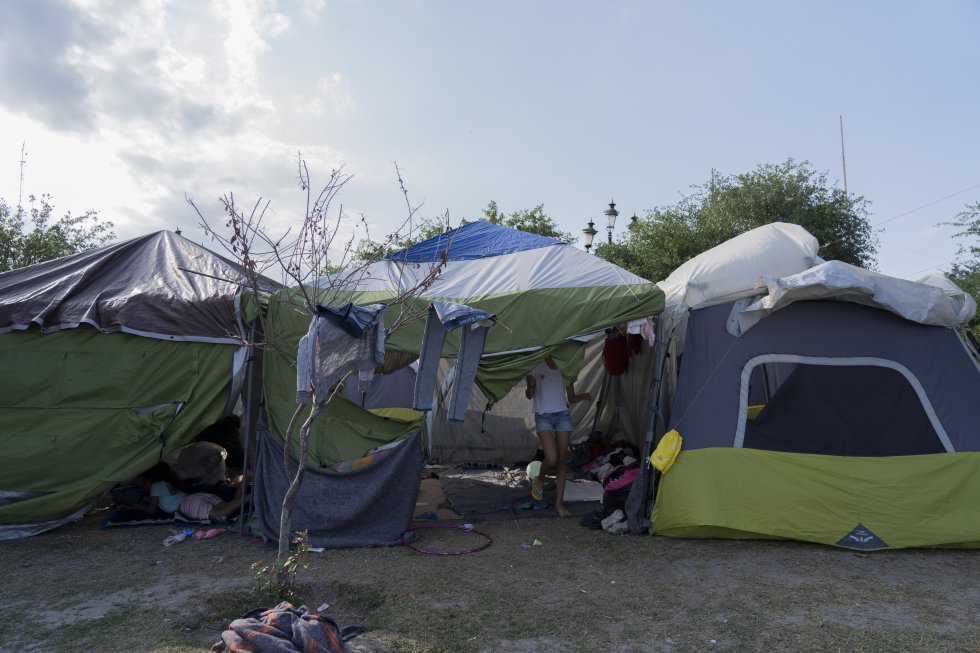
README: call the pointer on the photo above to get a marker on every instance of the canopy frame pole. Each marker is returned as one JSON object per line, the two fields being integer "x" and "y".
{"x": 248, "y": 421}
{"x": 640, "y": 500}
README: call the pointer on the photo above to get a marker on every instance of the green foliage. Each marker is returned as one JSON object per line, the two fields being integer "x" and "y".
{"x": 275, "y": 582}
{"x": 725, "y": 207}
{"x": 29, "y": 237}
{"x": 369, "y": 251}
{"x": 534, "y": 221}
{"x": 966, "y": 271}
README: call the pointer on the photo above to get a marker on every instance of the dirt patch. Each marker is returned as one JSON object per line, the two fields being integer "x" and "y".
{"x": 81, "y": 589}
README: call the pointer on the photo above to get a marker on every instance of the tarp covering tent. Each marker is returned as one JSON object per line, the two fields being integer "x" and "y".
{"x": 839, "y": 407}
{"x": 111, "y": 358}
{"x": 542, "y": 291}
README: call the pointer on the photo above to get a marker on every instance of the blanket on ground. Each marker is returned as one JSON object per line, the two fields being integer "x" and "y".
{"x": 128, "y": 517}
{"x": 487, "y": 491}
{"x": 284, "y": 629}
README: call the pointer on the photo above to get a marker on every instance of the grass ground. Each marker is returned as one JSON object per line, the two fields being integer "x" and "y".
{"x": 80, "y": 589}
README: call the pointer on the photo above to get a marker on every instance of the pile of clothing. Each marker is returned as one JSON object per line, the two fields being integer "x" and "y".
{"x": 616, "y": 467}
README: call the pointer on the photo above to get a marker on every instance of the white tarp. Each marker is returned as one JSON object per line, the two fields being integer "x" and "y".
{"x": 558, "y": 266}
{"x": 734, "y": 269}
{"x": 933, "y": 300}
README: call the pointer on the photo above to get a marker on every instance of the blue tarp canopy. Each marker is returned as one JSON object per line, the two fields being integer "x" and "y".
{"x": 473, "y": 240}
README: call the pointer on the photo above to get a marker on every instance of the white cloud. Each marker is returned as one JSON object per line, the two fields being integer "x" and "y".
{"x": 312, "y": 9}
{"x": 161, "y": 100}
{"x": 250, "y": 23}
{"x": 331, "y": 98}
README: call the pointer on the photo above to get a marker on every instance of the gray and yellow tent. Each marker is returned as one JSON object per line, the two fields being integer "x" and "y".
{"x": 111, "y": 358}
{"x": 542, "y": 291}
{"x": 832, "y": 405}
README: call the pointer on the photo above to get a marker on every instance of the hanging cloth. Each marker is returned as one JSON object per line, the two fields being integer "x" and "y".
{"x": 339, "y": 341}
{"x": 444, "y": 317}
{"x": 615, "y": 353}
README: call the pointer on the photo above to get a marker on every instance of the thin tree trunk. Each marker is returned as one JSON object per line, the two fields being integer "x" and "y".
{"x": 290, "y": 498}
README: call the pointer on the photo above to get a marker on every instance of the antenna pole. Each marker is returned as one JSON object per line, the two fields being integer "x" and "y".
{"x": 20, "y": 190}
{"x": 843, "y": 161}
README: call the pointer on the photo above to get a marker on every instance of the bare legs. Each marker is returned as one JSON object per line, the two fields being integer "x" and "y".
{"x": 555, "y": 446}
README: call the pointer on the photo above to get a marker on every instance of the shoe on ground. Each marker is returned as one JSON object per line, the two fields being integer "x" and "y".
{"x": 614, "y": 518}
{"x": 537, "y": 490}
{"x": 618, "y": 528}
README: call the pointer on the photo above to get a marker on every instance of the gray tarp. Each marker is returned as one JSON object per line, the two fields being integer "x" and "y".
{"x": 137, "y": 286}
{"x": 370, "y": 506}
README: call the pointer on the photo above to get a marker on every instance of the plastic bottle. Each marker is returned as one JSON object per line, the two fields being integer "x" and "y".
{"x": 178, "y": 536}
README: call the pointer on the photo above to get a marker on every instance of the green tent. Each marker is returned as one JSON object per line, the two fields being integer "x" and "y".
{"x": 112, "y": 358}
{"x": 542, "y": 291}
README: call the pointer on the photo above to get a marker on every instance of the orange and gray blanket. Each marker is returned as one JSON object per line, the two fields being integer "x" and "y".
{"x": 285, "y": 629}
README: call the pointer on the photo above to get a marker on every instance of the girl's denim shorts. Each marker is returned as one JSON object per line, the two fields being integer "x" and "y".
{"x": 560, "y": 421}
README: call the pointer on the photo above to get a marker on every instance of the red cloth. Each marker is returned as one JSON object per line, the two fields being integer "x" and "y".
{"x": 615, "y": 356}
{"x": 634, "y": 343}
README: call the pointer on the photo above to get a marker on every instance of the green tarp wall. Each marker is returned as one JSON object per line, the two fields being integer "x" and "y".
{"x": 81, "y": 410}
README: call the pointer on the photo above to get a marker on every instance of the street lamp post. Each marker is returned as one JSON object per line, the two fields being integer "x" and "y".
{"x": 611, "y": 214}
{"x": 589, "y": 233}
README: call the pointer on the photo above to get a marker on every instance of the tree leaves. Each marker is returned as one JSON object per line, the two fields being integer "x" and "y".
{"x": 724, "y": 207}
{"x": 29, "y": 237}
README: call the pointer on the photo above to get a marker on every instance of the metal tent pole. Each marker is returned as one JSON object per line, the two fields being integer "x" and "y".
{"x": 247, "y": 421}
{"x": 639, "y": 502}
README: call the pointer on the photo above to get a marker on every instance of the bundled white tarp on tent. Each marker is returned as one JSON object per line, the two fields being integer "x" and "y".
{"x": 734, "y": 269}
{"x": 934, "y": 300}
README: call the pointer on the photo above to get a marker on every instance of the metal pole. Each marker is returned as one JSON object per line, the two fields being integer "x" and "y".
{"x": 639, "y": 504}
{"x": 843, "y": 161}
{"x": 247, "y": 422}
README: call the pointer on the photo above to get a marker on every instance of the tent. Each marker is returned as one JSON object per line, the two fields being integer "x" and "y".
{"x": 112, "y": 358}
{"x": 543, "y": 293}
{"x": 825, "y": 403}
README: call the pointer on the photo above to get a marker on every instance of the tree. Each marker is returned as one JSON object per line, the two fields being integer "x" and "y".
{"x": 966, "y": 270}
{"x": 301, "y": 257}
{"x": 724, "y": 207}
{"x": 31, "y": 237}
{"x": 534, "y": 221}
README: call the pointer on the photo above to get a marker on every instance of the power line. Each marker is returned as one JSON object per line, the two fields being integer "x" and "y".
{"x": 915, "y": 251}
{"x": 902, "y": 215}
{"x": 925, "y": 206}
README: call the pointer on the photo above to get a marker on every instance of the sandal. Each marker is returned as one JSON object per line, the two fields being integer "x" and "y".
{"x": 537, "y": 490}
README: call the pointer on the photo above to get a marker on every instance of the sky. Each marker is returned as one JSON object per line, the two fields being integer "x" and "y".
{"x": 129, "y": 108}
